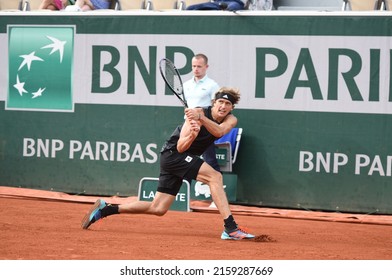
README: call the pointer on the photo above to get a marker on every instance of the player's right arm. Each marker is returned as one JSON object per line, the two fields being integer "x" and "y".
{"x": 189, "y": 132}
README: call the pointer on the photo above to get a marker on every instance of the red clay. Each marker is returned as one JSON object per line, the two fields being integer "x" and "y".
{"x": 35, "y": 228}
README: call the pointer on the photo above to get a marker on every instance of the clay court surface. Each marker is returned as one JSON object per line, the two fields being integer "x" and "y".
{"x": 43, "y": 225}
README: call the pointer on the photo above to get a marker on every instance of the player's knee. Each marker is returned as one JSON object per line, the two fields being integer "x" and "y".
{"x": 216, "y": 178}
{"x": 158, "y": 211}
{"x": 161, "y": 212}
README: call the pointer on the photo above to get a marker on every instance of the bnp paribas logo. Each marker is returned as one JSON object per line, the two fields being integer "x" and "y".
{"x": 40, "y": 68}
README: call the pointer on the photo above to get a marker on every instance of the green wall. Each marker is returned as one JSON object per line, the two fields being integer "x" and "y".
{"x": 316, "y": 105}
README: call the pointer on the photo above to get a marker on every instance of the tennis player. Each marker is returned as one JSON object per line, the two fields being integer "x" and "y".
{"x": 180, "y": 158}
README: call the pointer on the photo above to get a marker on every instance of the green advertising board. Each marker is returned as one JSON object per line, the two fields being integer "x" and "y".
{"x": 147, "y": 192}
{"x": 83, "y": 108}
{"x": 200, "y": 191}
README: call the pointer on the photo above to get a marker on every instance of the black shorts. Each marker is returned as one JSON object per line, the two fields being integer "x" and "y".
{"x": 174, "y": 168}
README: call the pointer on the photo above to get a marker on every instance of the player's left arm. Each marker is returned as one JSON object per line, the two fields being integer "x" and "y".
{"x": 218, "y": 130}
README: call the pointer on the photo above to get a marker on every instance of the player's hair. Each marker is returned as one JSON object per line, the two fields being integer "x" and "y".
{"x": 231, "y": 94}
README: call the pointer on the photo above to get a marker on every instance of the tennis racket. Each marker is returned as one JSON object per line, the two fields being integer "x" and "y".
{"x": 172, "y": 78}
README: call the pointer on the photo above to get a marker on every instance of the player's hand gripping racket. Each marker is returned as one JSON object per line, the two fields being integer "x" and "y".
{"x": 172, "y": 78}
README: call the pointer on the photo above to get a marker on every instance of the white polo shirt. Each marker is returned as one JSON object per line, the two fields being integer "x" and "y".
{"x": 200, "y": 94}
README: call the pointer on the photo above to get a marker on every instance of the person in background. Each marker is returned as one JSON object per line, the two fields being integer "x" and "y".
{"x": 55, "y": 5}
{"x": 199, "y": 91}
{"x": 88, "y": 5}
{"x": 229, "y": 5}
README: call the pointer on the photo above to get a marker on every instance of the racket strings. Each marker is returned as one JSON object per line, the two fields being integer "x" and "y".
{"x": 173, "y": 78}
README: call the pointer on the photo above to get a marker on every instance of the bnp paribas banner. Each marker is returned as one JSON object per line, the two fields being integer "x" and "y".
{"x": 84, "y": 109}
